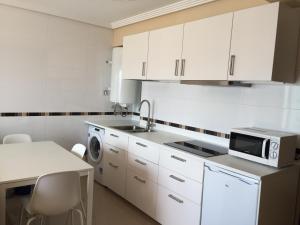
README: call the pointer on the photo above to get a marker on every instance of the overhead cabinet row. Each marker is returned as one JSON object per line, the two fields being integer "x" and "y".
{"x": 256, "y": 44}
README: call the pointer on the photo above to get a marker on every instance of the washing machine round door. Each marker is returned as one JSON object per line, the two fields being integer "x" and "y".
{"x": 95, "y": 148}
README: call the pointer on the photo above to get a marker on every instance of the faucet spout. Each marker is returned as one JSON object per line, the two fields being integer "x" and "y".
{"x": 149, "y": 125}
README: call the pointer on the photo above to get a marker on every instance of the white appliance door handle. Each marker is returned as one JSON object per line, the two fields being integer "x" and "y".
{"x": 263, "y": 152}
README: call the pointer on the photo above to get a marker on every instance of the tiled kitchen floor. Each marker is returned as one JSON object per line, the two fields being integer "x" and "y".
{"x": 109, "y": 209}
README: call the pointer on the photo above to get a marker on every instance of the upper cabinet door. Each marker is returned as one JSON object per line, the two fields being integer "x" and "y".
{"x": 206, "y": 48}
{"x": 135, "y": 51}
{"x": 165, "y": 48}
{"x": 253, "y": 43}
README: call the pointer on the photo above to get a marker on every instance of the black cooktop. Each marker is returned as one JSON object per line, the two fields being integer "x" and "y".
{"x": 200, "y": 148}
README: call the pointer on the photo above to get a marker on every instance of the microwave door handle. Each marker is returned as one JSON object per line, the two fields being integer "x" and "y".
{"x": 263, "y": 153}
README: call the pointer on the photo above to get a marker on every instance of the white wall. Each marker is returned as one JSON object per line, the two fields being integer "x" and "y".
{"x": 50, "y": 64}
{"x": 222, "y": 108}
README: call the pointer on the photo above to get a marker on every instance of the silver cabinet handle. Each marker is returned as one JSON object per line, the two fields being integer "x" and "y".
{"x": 139, "y": 179}
{"x": 176, "y": 67}
{"x": 177, "y": 158}
{"x": 113, "y": 166}
{"x": 114, "y": 151}
{"x": 177, "y": 178}
{"x": 232, "y": 63}
{"x": 175, "y": 198}
{"x": 142, "y": 145}
{"x": 113, "y": 135}
{"x": 140, "y": 162}
{"x": 143, "y": 68}
{"x": 182, "y": 67}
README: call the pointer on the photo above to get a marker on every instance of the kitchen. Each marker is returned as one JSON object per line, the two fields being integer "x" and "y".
{"x": 61, "y": 81}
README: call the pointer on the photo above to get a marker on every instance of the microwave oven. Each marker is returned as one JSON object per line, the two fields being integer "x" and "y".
{"x": 269, "y": 147}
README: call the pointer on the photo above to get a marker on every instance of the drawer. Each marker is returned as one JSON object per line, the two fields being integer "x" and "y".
{"x": 141, "y": 192}
{"x": 182, "y": 163}
{"x": 186, "y": 187}
{"x": 173, "y": 209}
{"x": 144, "y": 149}
{"x": 114, "y": 153}
{"x": 117, "y": 139}
{"x": 114, "y": 176}
{"x": 143, "y": 167}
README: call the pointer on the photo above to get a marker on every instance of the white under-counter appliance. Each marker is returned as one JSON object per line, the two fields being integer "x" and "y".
{"x": 235, "y": 197}
{"x": 95, "y": 151}
{"x": 269, "y": 147}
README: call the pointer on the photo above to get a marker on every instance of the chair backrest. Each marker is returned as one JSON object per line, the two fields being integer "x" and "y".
{"x": 56, "y": 193}
{"x": 17, "y": 138}
{"x": 79, "y": 150}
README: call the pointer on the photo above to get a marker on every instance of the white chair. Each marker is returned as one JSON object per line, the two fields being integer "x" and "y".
{"x": 79, "y": 150}
{"x": 53, "y": 194}
{"x": 17, "y": 138}
{"x": 14, "y": 139}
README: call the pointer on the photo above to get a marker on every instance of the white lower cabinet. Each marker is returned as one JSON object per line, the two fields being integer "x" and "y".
{"x": 141, "y": 192}
{"x": 114, "y": 169}
{"x": 174, "y": 209}
{"x": 188, "y": 188}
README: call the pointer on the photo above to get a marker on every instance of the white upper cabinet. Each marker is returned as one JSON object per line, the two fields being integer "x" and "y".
{"x": 135, "y": 51}
{"x": 206, "y": 48}
{"x": 165, "y": 48}
{"x": 263, "y": 46}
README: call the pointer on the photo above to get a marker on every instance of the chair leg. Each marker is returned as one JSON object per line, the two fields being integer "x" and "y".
{"x": 21, "y": 216}
{"x": 67, "y": 218}
{"x": 80, "y": 215}
{"x": 72, "y": 217}
{"x": 83, "y": 209}
{"x": 30, "y": 220}
{"x": 42, "y": 220}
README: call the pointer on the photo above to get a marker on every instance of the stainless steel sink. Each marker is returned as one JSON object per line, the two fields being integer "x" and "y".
{"x": 131, "y": 129}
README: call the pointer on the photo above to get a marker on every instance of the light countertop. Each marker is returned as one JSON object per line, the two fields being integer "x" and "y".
{"x": 235, "y": 164}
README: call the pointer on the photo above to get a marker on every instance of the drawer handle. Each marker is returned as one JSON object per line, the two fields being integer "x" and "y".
{"x": 113, "y": 135}
{"x": 177, "y": 158}
{"x": 139, "y": 179}
{"x": 177, "y": 178}
{"x": 140, "y": 162}
{"x": 175, "y": 198}
{"x": 114, "y": 151}
{"x": 113, "y": 166}
{"x": 140, "y": 144}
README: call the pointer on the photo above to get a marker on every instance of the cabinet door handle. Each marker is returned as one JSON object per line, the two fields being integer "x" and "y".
{"x": 142, "y": 145}
{"x": 113, "y": 135}
{"x": 176, "y": 67}
{"x": 232, "y": 63}
{"x": 177, "y": 178}
{"x": 114, "y": 151}
{"x": 178, "y": 158}
{"x": 140, "y": 162}
{"x": 182, "y": 67}
{"x": 139, "y": 179}
{"x": 175, "y": 198}
{"x": 113, "y": 166}
{"x": 143, "y": 68}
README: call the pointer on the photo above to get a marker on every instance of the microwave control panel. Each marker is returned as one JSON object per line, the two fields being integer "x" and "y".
{"x": 274, "y": 150}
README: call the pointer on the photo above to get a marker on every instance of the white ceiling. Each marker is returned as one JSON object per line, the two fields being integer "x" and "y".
{"x": 97, "y": 12}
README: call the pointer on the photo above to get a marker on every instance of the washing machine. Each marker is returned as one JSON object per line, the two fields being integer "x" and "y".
{"x": 95, "y": 151}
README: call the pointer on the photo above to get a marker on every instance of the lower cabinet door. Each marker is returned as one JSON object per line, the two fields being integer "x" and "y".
{"x": 173, "y": 209}
{"x": 141, "y": 192}
{"x": 114, "y": 176}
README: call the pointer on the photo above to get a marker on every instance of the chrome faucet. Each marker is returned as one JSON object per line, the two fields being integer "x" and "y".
{"x": 149, "y": 124}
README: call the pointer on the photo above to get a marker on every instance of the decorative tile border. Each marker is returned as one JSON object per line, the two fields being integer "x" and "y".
{"x": 33, "y": 114}
{"x": 190, "y": 128}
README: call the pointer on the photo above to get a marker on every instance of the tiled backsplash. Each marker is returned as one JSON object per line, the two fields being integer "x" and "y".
{"x": 218, "y": 109}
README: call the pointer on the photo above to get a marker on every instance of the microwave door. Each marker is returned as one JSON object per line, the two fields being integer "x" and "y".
{"x": 251, "y": 145}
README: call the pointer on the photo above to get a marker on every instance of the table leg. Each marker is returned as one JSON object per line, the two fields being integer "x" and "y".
{"x": 90, "y": 195}
{"x": 2, "y": 205}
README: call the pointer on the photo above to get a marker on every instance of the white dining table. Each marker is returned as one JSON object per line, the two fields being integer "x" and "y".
{"x": 22, "y": 164}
